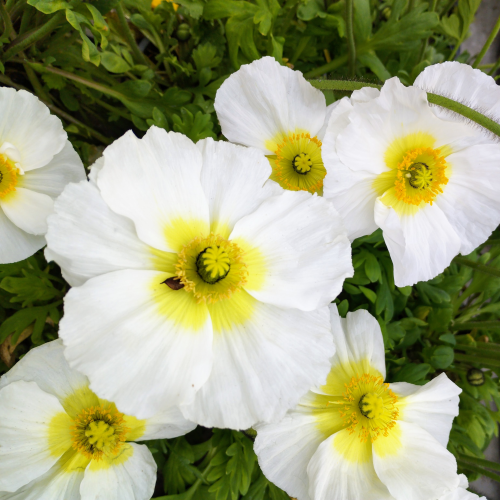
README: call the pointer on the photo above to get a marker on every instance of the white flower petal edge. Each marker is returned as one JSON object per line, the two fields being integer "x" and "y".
{"x": 25, "y": 450}
{"x": 155, "y": 182}
{"x": 263, "y": 365}
{"x": 123, "y": 305}
{"x": 264, "y": 99}
{"x": 461, "y": 492}
{"x": 132, "y": 479}
{"x": 304, "y": 247}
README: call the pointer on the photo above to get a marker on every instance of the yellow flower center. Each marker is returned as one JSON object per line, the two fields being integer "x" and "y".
{"x": 211, "y": 268}
{"x": 369, "y": 408}
{"x": 99, "y": 431}
{"x": 420, "y": 175}
{"x": 298, "y": 165}
{"x": 8, "y": 176}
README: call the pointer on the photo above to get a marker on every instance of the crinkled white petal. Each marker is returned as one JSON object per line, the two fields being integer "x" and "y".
{"x": 133, "y": 479}
{"x": 264, "y": 99}
{"x": 25, "y": 415}
{"x": 28, "y": 210}
{"x": 329, "y": 111}
{"x": 234, "y": 181}
{"x": 155, "y": 182}
{"x": 432, "y": 406}
{"x": 51, "y": 179}
{"x": 26, "y": 123}
{"x": 137, "y": 352}
{"x": 419, "y": 469}
{"x": 262, "y": 366}
{"x": 333, "y": 477}
{"x": 305, "y": 249}
{"x": 167, "y": 424}
{"x": 88, "y": 239}
{"x": 421, "y": 245}
{"x": 16, "y": 244}
{"x": 47, "y": 366}
{"x": 470, "y": 200}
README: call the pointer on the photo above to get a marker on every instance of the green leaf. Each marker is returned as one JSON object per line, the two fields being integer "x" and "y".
{"x": 369, "y": 294}
{"x": 195, "y": 7}
{"x": 311, "y": 9}
{"x": 49, "y": 6}
{"x": 372, "y": 267}
{"x": 451, "y": 26}
{"x": 442, "y": 357}
{"x": 54, "y": 81}
{"x": 114, "y": 63}
{"x": 412, "y": 373}
{"x": 134, "y": 89}
{"x": 21, "y": 319}
{"x": 343, "y": 307}
{"x": 178, "y": 471}
{"x": 196, "y": 127}
{"x": 449, "y": 338}
{"x": 371, "y": 60}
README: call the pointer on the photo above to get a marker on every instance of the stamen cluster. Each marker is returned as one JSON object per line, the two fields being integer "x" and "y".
{"x": 8, "y": 176}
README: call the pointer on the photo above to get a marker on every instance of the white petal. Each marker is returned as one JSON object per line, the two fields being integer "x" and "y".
{"x": 464, "y": 84}
{"x": 432, "y": 406}
{"x": 304, "y": 248}
{"x": 419, "y": 468}
{"x": 132, "y": 478}
{"x": 234, "y": 181}
{"x": 27, "y": 124}
{"x": 143, "y": 346}
{"x": 335, "y": 475}
{"x": 155, "y": 181}
{"x": 264, "y": 99}
{"x": 51, "y": 179}
{"x": 329, "y": 111}
{"x": 359, "y": 349}
{"x": 15, "y": 244}
{"x": 26, "y": 449}
{"x": 88, "y": 239}
{"x": 263, "y": 363}
{"x": 47, "y": 366}
{"x": 28, "y": 210}
{"x": 421, "y": 245}
{"x": 95, "y": 168}
{"x": 167, "y": 424}
{"x": 470, "y": 200}
{"x": 58, "y": 483}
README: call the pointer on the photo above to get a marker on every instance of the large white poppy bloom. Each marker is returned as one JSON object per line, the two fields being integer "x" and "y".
{"x": 196, "y": 277}
{"x": 430, "y": 183}
{"x": 59, "y": 441}
{"x": 273, "y": 108}
{"x": 36, "y": 162}
{"x": 356, "y": 437}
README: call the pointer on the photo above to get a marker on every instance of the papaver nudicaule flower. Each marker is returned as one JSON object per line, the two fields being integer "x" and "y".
{"x": 273, "y": 108}
{"x": 36, "y": 163}
{"x": 430, "y": 183}
{"x": 58, "y": 440}
{"x": 356, "y": 437}
{"x": 196, "y": 282}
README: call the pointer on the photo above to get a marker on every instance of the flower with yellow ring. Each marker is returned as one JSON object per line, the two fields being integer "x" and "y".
{"x": 357, "y": 437}
{"x": 60, "y": 440}
{"x": 427, "y": 179}
{"x": 273, "y": 108}
{"x": 215, "y": 281}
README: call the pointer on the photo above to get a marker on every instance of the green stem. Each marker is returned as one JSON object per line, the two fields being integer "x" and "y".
{"x": 425, "y": 43}
{"x": 474, "y": 468}
{"x": 482, "y": 268}
{"x": 139, "y": 56}
{"x": 480, "y": 462}
{"x": 492, "y": 355}
{"x": 489, "y": 345}
{"x": 469, "y": 325}
{"x": 113, "y": 109}
{"x": 18, "y": 46}
{"x": 478, "y": 360}
{"x": 342, "y": 85}
{"x": 495, "y": 68}
{"x": 37, "y": 86}
{"x": 9, "y": 29}
{"x": 493, "y": 34}
{"x": 351, "y": 44}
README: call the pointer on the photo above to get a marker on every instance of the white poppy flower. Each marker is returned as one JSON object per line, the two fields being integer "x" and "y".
{"x": 275, "y": 109}
{"x": 59, "y": 441}
{"x": 357, "y": 437}
{"x": 430, "y": 184}
{"x": 193, "y": 275}
{"x": 461, "y": 492}
{"x": 36, "y": 163}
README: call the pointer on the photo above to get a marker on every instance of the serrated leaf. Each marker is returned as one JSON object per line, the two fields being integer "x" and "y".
{"x": 54, "y": 81}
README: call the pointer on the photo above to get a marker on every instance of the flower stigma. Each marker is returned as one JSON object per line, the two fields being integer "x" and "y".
{"x": 298, "y": 165}
{"x": 8, "y": 176}
{"x": 99, "y": 431}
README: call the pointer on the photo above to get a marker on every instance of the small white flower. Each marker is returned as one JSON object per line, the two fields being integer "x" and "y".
{"x": 192, "y": 275}
{"x": 36, "y": 163}
{"x": 356, "y": 437}
{"x": 58, "y": 440}
{"x": 431, "y": 184}
{"x": 274, "y": 109}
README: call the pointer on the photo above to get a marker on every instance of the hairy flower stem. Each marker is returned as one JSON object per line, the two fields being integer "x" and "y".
{"x": 493, "y": 34}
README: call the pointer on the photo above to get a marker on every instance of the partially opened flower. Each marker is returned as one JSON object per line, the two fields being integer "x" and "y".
{"x": 197, "y": 276}
{"x": 357, "y": 437}
{"x": 274, "y": 109}
{"x": 431, "y": 184}
{"x": 36, "y": 163}
{"x": 58, "y": 440}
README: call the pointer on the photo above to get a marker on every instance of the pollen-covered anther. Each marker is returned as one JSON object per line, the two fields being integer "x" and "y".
{"x": 8, "y": 176}
{"x": 298, "y": 165}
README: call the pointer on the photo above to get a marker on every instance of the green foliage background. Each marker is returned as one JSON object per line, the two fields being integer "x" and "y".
{"x": 106, "y": 66}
